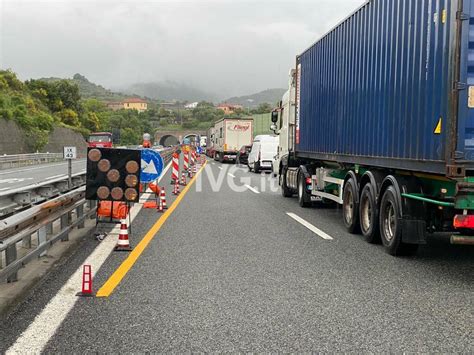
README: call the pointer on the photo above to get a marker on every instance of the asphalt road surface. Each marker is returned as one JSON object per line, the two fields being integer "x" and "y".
{"x": 244, "y": 271}
{"x": 29, "y": 175}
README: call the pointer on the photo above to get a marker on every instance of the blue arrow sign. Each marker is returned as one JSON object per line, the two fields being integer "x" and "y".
{"x": 152, "y": 165}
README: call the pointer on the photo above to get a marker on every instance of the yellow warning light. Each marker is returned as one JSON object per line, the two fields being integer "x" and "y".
{"x": 94, "y": 155}
{"x": 131, "y": 180}
{"x": 117, "y": 193}
{"x": 131, "y": 167}
{"x": 103, "y": 192}
{"x": 113, "y": 175}
{"x": 131, "y": 194}
{"x": 104, "y": 165}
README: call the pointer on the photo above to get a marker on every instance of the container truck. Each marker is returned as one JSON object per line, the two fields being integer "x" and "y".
{"x": 379, "y": 118}
{"x": 230, "y": 134}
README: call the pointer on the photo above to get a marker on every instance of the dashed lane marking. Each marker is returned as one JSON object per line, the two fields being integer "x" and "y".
{"x": 231, "y": 175}
{"x": 308, "y": 225}
{"x": 253, "y": 189}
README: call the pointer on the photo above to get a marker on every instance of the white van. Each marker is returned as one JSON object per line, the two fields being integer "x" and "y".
{"x": 264, "y": 148}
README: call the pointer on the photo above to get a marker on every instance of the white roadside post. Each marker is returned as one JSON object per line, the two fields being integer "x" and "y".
{"x": 69, "y": 154}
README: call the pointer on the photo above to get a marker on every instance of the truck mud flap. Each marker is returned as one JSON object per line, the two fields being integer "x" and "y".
{"x": 413, "y": 231}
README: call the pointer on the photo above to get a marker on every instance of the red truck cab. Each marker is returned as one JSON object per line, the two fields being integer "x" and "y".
{"x": 100, "y": 140}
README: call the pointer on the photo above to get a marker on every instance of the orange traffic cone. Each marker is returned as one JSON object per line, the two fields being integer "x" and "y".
{"x": 123, "y": 243}
{"x": 163, "y": 198}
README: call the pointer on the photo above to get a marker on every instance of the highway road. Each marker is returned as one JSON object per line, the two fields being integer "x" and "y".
{"x": 250, "y": 271}
{"x": 29, "y": 175}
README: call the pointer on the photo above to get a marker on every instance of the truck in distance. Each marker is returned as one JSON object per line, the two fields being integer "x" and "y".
{"x": 100, "y": 140}
{"x": 229, "y": 135}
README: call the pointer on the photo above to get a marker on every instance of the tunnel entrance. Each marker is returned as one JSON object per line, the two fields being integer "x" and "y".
{"x": 168, "y": 141}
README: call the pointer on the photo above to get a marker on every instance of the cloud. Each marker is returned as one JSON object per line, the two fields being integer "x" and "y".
{"x": 224, "y": 47}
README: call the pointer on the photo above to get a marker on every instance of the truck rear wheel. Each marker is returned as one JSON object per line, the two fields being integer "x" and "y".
{"x": 285, "y": 191}
{"x": 369, "y": 215}
{"x": 350, "y": 207}
{"x": 390, "y": 228}
{"x": 304, "y": 198}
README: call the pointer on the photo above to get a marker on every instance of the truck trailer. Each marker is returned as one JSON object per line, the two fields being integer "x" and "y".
{"x": 229, "y": 135}
{"x": 379, "y": 118}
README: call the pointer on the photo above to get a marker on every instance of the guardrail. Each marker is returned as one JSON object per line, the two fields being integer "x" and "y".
{"x": 28, "y": 234}
{"x": 14, "y": 200}
{"x": 17, "y": 160}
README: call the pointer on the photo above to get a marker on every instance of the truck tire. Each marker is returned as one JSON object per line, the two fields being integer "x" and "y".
{"x": 390, "y": 229}
{"x": 350, "y": 207}
{"x": 369, "y": 215}
{"x": 285, "y": 191}
{"x": 256, "y": 169}
{"x": 304, "y": 198}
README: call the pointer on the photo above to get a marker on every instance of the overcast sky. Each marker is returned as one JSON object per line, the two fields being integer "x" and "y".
{"x": 223, "y": 47}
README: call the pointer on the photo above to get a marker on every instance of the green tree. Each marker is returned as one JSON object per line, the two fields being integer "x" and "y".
{"x": 69, "y": 117}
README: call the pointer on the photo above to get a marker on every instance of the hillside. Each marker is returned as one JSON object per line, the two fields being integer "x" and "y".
{"x": 89, "y": 90}
{"x": 168, "y": 91}
{"x": 269, "y": 96}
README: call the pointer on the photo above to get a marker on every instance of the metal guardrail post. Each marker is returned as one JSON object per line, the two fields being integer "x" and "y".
{"x": 26, "y": 242}
{"x": 49, "y": 228}
{"x": 80, "y": 213}
{"x": 65, "y": 218}
{"x": 10, "y": 256}
{"x": 92, "y": 205}
{"x": 42, "y": 238}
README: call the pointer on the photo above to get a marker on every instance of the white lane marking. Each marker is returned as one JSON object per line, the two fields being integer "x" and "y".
{"x": 308, "y": 225}
{"x": 213, "y": 163}
{"x": 231, "y": 175}
{"x": 4, "y": 188}
{"x": 41, "y": 166}
{"x": 220, "y": 167}
{"x": 44, "y": 326}
{"x": 14, "y": 180}
{"x": 55, "y": 176}
{"x": 253, "y": 189}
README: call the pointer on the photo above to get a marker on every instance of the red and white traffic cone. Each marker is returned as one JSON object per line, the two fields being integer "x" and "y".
{"x": 195, "y": 169}
{"x": 185, "y": 161}
{"x": 160, "y": 205}
{"x": 183, "y": 179}
{"x": 86, "y": 282}
{"x": 123, "y": 243}
{"x": 175, "y": 169}
{"x": 176, "y": 188}
{"x": 163, "y": 198}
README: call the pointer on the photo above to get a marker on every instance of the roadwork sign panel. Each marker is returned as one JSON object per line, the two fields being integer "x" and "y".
{"x": 151, "y": 165}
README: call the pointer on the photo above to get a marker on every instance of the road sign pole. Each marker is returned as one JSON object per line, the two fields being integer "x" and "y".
{"x": 69, "y": 154}
{"x": 69, "y": 173}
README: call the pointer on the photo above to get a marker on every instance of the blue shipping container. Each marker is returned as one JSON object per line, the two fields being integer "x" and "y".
{"x": 390, "y": 86}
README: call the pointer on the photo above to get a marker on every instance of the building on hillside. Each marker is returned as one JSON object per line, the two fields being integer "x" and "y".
{"x": 115, "y": 105}
{"x": 135, "y": 103}
{"x": 229, "y": 108}
{"x": 191, "y": 106}
{"x": 129, "y": 104}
